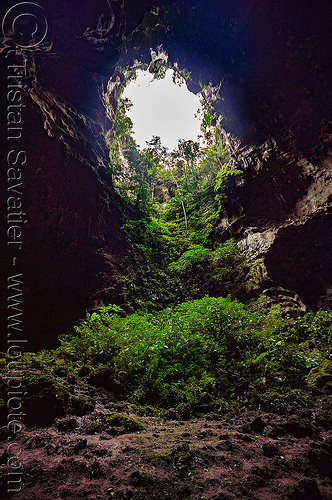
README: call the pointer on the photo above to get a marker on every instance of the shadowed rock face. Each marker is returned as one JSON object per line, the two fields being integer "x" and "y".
{"x": 273, "y": 60}
{"x": 281, "y": 214}
{"x": 73, "y": 246}
{"x": 301, "y": 260}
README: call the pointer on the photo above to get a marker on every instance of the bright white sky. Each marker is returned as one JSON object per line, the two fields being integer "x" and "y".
{"x": 160, "y": 107}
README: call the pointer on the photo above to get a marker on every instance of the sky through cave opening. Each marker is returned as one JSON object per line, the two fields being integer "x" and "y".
{"x": 163, "y": 107}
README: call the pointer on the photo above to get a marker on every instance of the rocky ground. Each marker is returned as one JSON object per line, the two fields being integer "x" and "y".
{"x": 115, "y": 450}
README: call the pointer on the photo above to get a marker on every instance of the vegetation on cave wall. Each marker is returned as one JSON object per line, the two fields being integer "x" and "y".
{"x": 173, "y": 257}
{"x": 181, "y": 344}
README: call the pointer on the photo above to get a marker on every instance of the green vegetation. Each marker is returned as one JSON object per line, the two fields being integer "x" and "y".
{"x": 173, "y": 256}
{"x": 206, "y": 355}
{"x": 183, "y": 347}
{"x": 191, "y": 173}
{"x": 155, "y": 11}
{"x": 184, "y": 460}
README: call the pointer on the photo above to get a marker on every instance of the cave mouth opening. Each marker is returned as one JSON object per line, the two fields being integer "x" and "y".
{"x": 154, "y": 102}
{"x": 163, "y": 106}
{"x": 166, "y": 135}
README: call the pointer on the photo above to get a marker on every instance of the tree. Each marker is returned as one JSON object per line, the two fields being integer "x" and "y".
{"x": 157, "y": 155}
{"x": 184, "y": 163}
{"x": 122, "y": 127}
{"x": 187, "y": 156}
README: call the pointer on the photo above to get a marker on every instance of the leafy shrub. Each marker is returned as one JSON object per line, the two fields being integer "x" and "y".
{"x": 225, "y": 250}
{"x": 202, "y": 351}
{"x": 196, "y": 254}
{"x": 200, "y": 354}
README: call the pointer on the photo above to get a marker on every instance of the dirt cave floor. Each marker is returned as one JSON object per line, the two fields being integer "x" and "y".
{"x": 117, "y": 452}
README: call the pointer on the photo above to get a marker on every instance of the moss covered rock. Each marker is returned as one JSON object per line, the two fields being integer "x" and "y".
{"x": 321, "y": 374}
{"x": 82, "y": 405}
{"x": 110, "y": 380}
{"x": 116, "y": 424}
{"x": 46, "y": 398}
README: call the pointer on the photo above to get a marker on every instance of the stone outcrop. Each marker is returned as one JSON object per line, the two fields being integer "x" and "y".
{"x": 281, "y": 215}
